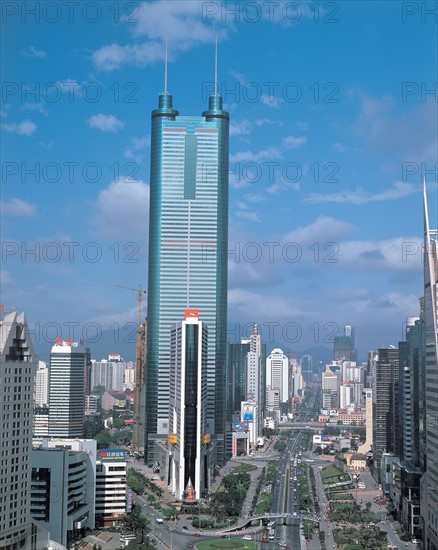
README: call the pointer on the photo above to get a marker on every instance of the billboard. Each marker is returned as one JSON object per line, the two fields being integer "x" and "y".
{"x": 247, "y": 412}
{"x": 240, "y": 426}
{"x": 113, "y": 455}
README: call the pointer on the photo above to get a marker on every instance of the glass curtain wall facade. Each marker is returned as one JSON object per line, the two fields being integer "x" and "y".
{"x": 188, "y": 235}
{"x": 429, "y": 482}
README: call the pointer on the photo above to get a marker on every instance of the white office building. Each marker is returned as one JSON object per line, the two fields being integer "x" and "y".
{"x": 68, "y": 361}
{"x": 110, "y": 487}
{"x": 277, "y": 373}
{"x": 41, "y": 397}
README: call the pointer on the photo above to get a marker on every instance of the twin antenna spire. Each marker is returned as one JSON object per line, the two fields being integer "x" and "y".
{"x": 165, "y": 70}
{"x": 215, "y": 71}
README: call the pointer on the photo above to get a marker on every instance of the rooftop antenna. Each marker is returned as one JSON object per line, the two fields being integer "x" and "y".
{"x": 215, "y": 70}
{"x": 165, "y": 70}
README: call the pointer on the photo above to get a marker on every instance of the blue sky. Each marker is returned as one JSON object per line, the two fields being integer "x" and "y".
{"x": 333, "y": 124}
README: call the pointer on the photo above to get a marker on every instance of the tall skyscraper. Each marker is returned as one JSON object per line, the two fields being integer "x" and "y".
{"x": 236, "y": 378}
{"x": 188, "y": 235}
{"x": 188, "y": 440}
{"x": 17, "y": 371}
{"x": 68, "y": 361}
{"x": 429, "y": 482}
{"x": 385, "y": 417}
{"x": 256, "y": 376}
{"x": 344, "y": 345}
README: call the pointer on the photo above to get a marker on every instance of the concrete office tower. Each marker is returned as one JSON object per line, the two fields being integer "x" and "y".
{"x": 366, "y": 447}
{"x": 68, "y": 361}
{"x": 188, "y": 236}
{"x": 17, "y": 372}
{"x": 188, "y": 437}
{"x": 63, "y": 487}
{"x": 429, "y": 482}
{"x": 277, "y": 373}
{"x": 385, "y": 412}
{"x": 41, "y": 397}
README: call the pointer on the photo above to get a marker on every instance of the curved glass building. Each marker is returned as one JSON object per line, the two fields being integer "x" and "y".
{"x": 188, "y": 235}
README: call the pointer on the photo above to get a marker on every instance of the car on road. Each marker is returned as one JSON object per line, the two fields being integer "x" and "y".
{"x": 247, "y": 537}
{"x": 185, "y": 527}
{"x": 196, "y": 534}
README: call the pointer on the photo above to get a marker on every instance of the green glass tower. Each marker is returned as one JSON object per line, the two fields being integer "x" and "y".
{"x": 188, "y": 235}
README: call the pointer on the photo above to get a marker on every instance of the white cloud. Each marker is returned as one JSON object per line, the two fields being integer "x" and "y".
{"x": 359, "y": 196}
{"x": 242, "y": 127}
{"x": 33, "y": 52}
{"x": 396, "y": 254}
{"x": 34, "y": 107}
{"x": 48, "y": 145}
{"x": 17, "y": 207}
{"x": 251, "y": 156}
{"x": 323, "y": 229}
{"x": 105, "y": 123}
{"x": 247, "y": 215}
{"x": 122, "y": 209}
{"x": 25, "y": 128}
{"x": 181, "y": 22}
{"x": 137, "y": 148}
{"x": 409, "y": 134}
{"x": 253, "y": 305}
{"x": 341, "y": 148}
{"x": 292, "y": 142}
{"x": 114, "y": 56}
{"x": 282, "y": 185}
{"x": 303, "y": 126}
{"x": 271, "y": 101}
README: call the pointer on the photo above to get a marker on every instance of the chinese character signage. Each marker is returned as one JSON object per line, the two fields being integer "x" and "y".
{"x": 113, "y": 455}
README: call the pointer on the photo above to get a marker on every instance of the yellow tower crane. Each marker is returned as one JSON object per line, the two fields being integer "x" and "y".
{"x": 139, "y": 367}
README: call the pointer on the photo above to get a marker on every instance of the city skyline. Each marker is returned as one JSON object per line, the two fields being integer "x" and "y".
{"x": 314, "y": 96}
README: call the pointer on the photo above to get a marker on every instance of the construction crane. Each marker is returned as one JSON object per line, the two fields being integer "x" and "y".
{"x": 139, "y": 366}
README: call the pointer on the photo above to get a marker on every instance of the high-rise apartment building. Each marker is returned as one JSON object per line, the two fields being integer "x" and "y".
{"x": 188, "y": 235}
{"x": 17, "y": 372}
{"x": 68, "y": 361}
{"x": 429, "y": 482}
{"x": 188, "y": 437}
